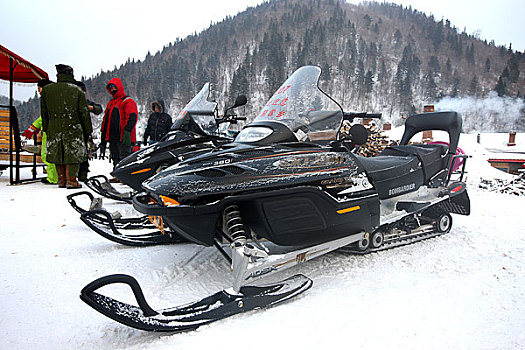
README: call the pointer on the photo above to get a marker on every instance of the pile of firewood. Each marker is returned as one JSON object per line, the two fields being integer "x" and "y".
{"x": 515, "y": 186}
{"x": 376, "y": 143}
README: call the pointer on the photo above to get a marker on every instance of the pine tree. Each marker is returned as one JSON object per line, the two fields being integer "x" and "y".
{"x": 368, "y": 21}
{"x": 433, "y": 65}
{"x": 474, "y": 86}
{"x": 397, "y": 37}
{"x": 369, "y": 81}
{"x": 500, "y": 87}
{"x": 469, "y": 54}
{"x": 513, "y": 68}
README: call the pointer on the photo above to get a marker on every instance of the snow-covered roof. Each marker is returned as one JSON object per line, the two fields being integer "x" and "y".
{"x": 507, "y": 156}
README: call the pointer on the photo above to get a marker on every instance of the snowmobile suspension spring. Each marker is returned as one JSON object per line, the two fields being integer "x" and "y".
{"x": 233, "y": 222}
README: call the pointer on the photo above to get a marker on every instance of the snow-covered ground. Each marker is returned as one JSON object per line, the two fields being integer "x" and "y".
{"x": 463, "y": 290}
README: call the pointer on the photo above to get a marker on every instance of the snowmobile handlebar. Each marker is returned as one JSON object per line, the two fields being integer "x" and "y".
{"x": 232, "y": 119}
{"x": 229, "y": 116}
{"x": 351, "y": 115}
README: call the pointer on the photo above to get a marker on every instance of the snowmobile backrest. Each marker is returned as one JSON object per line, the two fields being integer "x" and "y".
{"x": 450, "y": 122}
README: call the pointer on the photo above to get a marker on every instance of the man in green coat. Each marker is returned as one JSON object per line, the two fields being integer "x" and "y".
{"x": 66, "y": 120}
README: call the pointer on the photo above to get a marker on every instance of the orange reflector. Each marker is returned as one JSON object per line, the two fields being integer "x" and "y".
{"x": 347, "y": 210}
{"x": 141, "y": 171}
{"x": 157, "y": 221}
{"x": 168, "y": 201}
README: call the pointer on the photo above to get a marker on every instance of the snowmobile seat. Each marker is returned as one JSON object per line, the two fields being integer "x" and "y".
{"x": 431, "y": 156}
{"x": 393, "y": 175}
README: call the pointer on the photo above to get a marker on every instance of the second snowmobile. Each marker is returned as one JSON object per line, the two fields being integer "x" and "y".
{"x": 290, "y": 189}
{"x": 198, "y": 128}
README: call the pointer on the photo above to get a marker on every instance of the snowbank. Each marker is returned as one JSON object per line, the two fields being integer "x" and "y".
{"x": 464, "y": 290}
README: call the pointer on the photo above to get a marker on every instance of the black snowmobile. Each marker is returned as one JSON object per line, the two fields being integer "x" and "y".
{"x": 290, "y": 189}
{"x": 197, "y": 129}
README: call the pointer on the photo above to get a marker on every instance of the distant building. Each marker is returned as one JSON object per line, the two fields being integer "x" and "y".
{"x": 509, "y": 157}
{"x": 510, "y": 163}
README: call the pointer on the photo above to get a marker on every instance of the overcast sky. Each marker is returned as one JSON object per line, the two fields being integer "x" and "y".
{"x": 98, "y": 35}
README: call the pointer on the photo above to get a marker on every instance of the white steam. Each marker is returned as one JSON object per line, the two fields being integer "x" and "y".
{"x": 489, "y": 114}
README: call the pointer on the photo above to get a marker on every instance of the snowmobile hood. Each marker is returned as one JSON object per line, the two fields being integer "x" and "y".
{"x": 240, "y": 168}
{"x": 177, "y": 146}
{"x": 194, "y": 131}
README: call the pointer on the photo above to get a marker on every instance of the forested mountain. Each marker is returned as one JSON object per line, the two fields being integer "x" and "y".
{"x": 4, "y": 101}
{"x": 376, "y": 57}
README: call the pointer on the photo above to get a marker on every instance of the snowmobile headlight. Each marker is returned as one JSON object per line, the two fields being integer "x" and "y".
{"x": 168, "y": 202}
{"x": 253, "y": 134}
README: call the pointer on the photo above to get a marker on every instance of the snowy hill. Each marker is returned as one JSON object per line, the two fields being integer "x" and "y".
{"x": 463, "y": 290}
{"x": 376, "y": 57}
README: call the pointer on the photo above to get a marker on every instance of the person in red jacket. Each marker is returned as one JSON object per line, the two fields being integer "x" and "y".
{"x": 118, "y": 125}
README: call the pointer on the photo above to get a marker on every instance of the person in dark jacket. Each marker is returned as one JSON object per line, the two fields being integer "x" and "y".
{"x": 96, "y": 109}
{"x": 159, "y": 123}
{"x": 65, "y": 119}
{"x": 118, "y": 125}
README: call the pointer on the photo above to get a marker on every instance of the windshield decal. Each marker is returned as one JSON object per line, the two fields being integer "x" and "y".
{"x": 301, "y": 105}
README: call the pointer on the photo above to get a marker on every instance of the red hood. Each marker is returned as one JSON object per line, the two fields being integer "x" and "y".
{"x": 120, "y": 87}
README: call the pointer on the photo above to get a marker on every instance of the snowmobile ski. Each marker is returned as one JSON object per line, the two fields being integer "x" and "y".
{"x": 249, "y": 262}
{"x": 94, "y": 202}
{"x": 146, "y": 231}
{"x": 191, "y": 316}
{"x": 108, "y": 229}
{"x": 101, "y": 185}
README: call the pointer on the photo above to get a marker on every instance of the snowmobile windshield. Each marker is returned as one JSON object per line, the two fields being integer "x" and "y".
{"x": 301, "y": 106}
{"x": 198, "y": 115}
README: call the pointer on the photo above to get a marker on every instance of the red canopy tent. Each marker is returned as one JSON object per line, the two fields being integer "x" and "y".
{"x": 14, "y": 68}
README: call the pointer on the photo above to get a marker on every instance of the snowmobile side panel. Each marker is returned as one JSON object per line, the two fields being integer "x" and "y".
{"x": 308, "y": 215}
{"x": 195, "y": 224}
{"x": 303, "y": 214}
